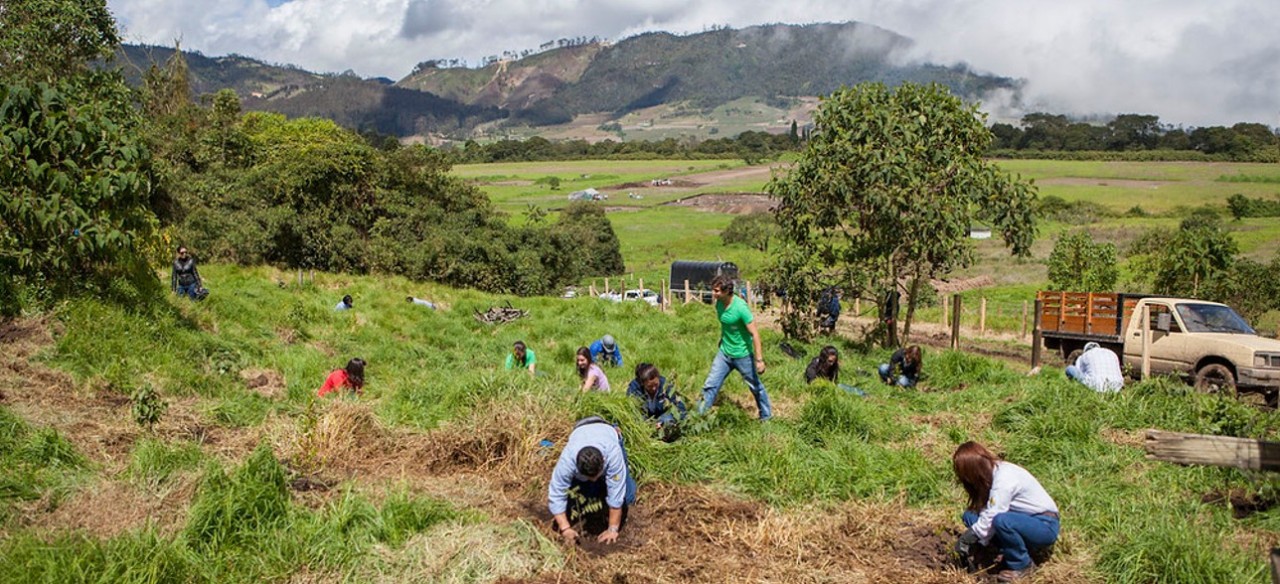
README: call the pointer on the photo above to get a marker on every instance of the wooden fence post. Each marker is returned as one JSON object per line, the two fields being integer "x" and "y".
{"x": 946, "y": 313}
{"x": 751, "y": 298}
{"x": 857, "y": 307}
{"x": 1146, "y": 341}
{"x": 687, "y": 294}
{"x": 299, "y": 276}
{"x": 982, "y": 316}
{"x": 1035, "y": 334}
{"x": 641, "y": 286}
{"x": 592, "y": 289}
{"x": 606, "y": 285}
{"x": 955, "y": 321}
{"x": 1024, "y": 319}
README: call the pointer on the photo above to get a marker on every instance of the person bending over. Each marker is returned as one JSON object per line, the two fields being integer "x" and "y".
{"x": 605, "y": 350}
{"x": 659, "y": 403}
{"x": 1097, "y": 368}
{"x": 594, "y": 463}
{"x": 349, "y": 378}
{"x": 825, "y": 366}
{"x": 907, "y": 362}
{"x": 592, "y": 375}
{"x": 522, "y": 357}
{"x": 345, "y": 304}
{"x": 1007, "y": 509}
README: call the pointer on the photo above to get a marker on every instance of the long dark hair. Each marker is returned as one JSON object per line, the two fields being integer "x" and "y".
{"x": 521, "y": 353}
{"x": 911, "y": 356}
{"x": 584, "y": 352}
{"x": 823, "y": 355}
{"x": 355, "y": 372}
{"x": 975, "y": 466}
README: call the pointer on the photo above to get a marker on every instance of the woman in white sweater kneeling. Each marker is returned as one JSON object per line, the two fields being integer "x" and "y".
{"x": 1007, "y": 508}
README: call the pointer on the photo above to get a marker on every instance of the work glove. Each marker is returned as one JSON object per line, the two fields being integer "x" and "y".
{"x": 963, "y": 551}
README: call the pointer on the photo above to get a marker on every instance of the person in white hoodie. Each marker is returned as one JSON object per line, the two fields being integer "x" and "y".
{"x": 1007, "y": 509}
{"x": 1097, "y": 368}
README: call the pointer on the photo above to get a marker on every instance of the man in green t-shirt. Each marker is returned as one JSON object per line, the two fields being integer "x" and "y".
{"x": 736, "y": 323}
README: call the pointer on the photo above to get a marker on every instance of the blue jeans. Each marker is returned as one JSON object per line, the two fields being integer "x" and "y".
{"x": 720, "y": 369}
{"x": 903, "y": 380}
{"x": 1018, "y": 534}
{"x": 1074, "y": 373}
{"x": 189, "y": 290}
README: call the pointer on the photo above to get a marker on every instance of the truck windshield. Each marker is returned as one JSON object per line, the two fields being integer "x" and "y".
{"x": 1212, "y": 318}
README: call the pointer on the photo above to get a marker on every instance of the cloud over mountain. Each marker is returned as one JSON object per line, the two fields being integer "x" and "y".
{"x": 1175, "y": 58}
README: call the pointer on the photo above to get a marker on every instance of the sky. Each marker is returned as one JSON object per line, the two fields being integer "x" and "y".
{"x": 1191, "y": 62}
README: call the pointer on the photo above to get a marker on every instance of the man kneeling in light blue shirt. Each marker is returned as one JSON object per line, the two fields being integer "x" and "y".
{"x": 594, "y": 463}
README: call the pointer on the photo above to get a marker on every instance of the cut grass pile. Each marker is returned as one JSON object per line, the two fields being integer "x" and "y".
{"x": 440, "y": 415}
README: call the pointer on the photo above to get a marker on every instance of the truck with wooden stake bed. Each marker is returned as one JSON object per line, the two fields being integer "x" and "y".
{"x": 1207, "y": 343}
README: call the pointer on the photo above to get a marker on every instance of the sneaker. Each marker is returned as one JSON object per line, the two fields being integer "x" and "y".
{"x": 1015, "y": 575}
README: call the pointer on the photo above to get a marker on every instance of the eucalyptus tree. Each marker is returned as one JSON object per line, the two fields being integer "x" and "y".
{"x": 888, "y": 186}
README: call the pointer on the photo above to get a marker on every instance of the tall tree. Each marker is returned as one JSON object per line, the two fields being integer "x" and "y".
{"x": 890, "y": 183}
{"x": 1078, "y": 263}
{"x": 43, "y": 40}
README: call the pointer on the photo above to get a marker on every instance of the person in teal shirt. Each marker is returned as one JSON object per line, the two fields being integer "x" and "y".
{"x": 522, "y": 357}
{"x": 736, "y": 325}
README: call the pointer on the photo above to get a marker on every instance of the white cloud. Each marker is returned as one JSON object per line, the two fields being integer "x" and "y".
{"x": 1180, "y": 59}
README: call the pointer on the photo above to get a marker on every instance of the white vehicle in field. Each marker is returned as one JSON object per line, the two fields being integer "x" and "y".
{"x": 637, "y": 295}
{"x": 645, "y": 295}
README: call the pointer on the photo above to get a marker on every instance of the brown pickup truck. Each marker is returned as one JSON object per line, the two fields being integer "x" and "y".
{"x": 1206, "y": 342}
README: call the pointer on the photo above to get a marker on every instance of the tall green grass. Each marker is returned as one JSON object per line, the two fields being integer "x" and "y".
{"x": 434, "y": 369}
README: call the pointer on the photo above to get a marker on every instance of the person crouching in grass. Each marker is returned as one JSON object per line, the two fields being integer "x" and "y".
{"x": 1007, "y": 508}
{"x": 349, "y": 378}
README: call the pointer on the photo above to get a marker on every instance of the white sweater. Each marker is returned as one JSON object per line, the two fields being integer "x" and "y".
{"x": 1012, "y": 489}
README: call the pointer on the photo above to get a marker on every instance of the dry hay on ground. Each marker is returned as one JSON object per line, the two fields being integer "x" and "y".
{"x": 112, "y": 507}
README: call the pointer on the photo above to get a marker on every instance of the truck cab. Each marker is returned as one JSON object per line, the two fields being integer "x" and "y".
{"x": 1207, "y": 342}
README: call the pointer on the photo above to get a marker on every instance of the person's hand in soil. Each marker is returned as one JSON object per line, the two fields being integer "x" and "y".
{"x": 608, "y": 536}
{"x": 570, "y": 536}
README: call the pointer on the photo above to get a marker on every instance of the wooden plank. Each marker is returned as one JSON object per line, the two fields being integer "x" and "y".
{"x": 1275, "y": 565}
{"x": 1036, "y": 334}
{"x": 955, "y": 321}
{"x": 1146, "y": 341}
{"x": 1243, "y": 453}
{"x": 1088, "y": 315}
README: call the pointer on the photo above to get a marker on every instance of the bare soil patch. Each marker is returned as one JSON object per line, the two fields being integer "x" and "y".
{"x": 735, "y": 203}
{"x": 1105, "y": 182}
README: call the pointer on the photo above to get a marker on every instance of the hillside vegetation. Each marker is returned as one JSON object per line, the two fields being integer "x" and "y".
{"x": 436, "y": 473}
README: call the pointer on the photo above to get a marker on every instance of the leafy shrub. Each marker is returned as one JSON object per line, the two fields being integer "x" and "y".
{"x": 148, "y": 407}
{"x": 754, "y": 230}
{"x": 76, "y": 211}
{"x": 1077, "y": 263}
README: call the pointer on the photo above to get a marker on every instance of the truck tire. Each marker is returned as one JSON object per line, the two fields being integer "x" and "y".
{"x": 1216, "y": 378}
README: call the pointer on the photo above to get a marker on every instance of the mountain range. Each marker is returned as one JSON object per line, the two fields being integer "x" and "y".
{"x": 778, "y": 65}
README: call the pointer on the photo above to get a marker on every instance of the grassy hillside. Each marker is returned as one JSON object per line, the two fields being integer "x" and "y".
{"x": 436, "y": 473}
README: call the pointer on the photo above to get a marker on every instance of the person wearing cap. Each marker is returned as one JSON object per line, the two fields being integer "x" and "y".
{"x": 739, "y": 349}
{"x": 1097, "y": 368}
{"x": 605, "y": 350}
{"x": 1007, "y": 508}
{"x": 345, "y": 304}
{"x": 594, "y": 462}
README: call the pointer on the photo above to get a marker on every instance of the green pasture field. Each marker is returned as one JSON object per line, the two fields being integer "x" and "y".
{"x": 513, "y": 186}
{"x": 657, "y": 234}
{"x": 435, "y": 380}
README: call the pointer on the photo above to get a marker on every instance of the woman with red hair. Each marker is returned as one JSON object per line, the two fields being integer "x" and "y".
{"x": 1007, "y": 508}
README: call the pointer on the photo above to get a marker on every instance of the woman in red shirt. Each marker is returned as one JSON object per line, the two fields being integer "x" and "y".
{"x": 351, "y": 378}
